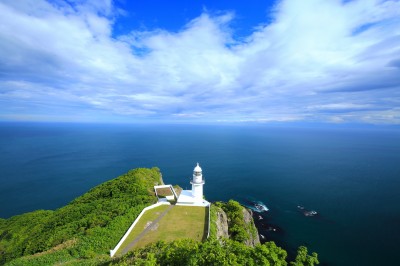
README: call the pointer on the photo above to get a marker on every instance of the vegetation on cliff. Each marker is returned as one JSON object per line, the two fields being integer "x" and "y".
{"x": 83, "y": 232}
{"x": 210, "y": 252}
{"x": 240, "y": 228}
{"x": 92, "y": 224}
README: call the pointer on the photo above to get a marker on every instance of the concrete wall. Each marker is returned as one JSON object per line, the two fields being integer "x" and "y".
{"x": 209, "y": 219}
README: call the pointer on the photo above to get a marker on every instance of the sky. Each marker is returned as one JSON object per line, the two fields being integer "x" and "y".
{"x": 212, "y": 61}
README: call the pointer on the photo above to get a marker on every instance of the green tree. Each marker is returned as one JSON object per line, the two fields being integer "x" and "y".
{"x": 303, "y": 258}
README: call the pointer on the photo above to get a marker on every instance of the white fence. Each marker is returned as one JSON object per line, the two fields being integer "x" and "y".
{"x": 209, "y": 215}
{"x": 113, "y": 251}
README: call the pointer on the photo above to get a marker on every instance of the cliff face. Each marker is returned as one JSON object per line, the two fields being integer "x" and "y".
{"x": 161, "y": 180}
{"x": 254, "y": 238}
{"x": 222, "y": 226}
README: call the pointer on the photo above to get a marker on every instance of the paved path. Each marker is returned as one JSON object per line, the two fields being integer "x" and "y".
{"x": 151, "y": 226}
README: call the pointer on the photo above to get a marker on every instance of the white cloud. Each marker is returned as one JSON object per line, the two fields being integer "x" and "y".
{"x": 339, "y": 106}
{"x": 315, "y": 58}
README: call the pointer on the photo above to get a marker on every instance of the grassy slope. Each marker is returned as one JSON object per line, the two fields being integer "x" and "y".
{"x": 149, "y": 215}
{"x": 213, "y": 221}
{"x": 95, "y": 222}
{"x": 181, "y": 222}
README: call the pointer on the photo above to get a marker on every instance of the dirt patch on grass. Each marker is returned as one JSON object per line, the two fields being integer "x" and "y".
{"x": 154, "y": 227}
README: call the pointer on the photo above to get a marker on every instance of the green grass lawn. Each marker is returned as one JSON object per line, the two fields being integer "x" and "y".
{"x": 149, "y": 215}
{"x": 180, "y": 222}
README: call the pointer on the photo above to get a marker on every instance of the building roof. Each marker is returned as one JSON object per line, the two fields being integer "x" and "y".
{"x": 197, "y": 168}
{"x": 186, "y": 198}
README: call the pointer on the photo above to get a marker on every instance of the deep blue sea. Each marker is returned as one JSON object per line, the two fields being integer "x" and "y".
{"x": 350, "y": 175}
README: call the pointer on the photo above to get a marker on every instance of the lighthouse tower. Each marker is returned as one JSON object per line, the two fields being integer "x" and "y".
{"x": 197, "y": 184}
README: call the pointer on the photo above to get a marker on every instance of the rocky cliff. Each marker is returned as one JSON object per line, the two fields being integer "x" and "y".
{"x": 254, "y": 238}
{"x": 222, "y": 224}
{"x": 235, "y": 222}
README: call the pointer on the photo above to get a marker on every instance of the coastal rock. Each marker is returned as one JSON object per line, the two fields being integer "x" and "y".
{"x": 250, "y": 228}
{"x": 222, "y": 224}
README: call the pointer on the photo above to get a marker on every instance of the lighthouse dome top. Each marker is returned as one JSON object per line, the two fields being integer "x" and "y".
{"x": 197, "y": 168}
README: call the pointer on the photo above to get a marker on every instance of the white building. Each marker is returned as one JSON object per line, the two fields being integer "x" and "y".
{"x": 195, "y": 196}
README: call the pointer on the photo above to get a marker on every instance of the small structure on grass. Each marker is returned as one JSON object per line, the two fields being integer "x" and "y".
{"x": 166, "y": 193}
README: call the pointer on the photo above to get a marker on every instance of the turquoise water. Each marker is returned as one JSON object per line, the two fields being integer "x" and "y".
{"x": 350, "y": 176}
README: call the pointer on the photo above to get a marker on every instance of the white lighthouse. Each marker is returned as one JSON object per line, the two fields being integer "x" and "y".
{"x": 197, "y": 184}
{"x": 194, "y": 197}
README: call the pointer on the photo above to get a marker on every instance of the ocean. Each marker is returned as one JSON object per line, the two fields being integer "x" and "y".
{"x": 349, "y": 174}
